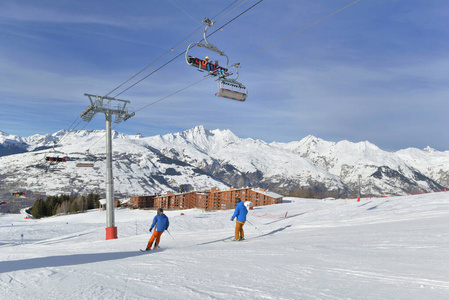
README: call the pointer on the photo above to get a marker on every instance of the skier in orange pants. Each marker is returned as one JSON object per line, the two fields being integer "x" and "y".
{"x": 161, "y": 223}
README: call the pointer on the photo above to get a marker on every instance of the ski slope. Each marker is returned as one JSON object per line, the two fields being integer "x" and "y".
{"x": 385, "y": 248}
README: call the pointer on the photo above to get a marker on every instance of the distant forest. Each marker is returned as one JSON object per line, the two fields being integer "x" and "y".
{"x": 63, "y": 204}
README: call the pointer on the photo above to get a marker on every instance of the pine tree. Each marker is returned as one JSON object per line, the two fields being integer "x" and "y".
{"x": 97, "y": 201}
{"x": 38, "y": 209}
{"x": 75, "y": 206}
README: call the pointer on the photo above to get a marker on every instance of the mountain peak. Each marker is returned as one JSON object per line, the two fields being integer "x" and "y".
{"x": 429, "y": 149}
{"x": 311, "y": 139}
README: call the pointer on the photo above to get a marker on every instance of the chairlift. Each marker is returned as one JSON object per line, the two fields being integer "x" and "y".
{"x": 55, "y": 159}
{"x": 53, "y": 156}
{"x": 205, "y": 65}
{"x": 87, "y": 161}
{"x": 17, "y": 194}
{"x": 227, "y": 87}
{"x": 230, "y": 88}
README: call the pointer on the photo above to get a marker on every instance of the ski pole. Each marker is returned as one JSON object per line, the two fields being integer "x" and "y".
{"x": 172, "y": 237}
{"x": 254, "y": 226}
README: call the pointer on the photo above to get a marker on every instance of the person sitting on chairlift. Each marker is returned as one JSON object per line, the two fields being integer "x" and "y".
{"x": 207, "y": 65}
{"x": 220, "y": 71}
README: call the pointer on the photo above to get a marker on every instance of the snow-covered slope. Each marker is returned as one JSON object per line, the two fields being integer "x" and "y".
{"x": 199, "y": 159}
{"x": 380, "y": 248}
{"x": 137, "y": 168}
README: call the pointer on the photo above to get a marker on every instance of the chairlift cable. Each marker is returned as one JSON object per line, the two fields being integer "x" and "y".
{"x": 233, "y": 19}
{"x": 240, "y": 95}
{"x": 70, "y": 128}
{"x": 145, "y": 77}
{"x": 295, "y": 33}
{"x": 174, "y": 93}
{"x": 231, "y": 10}
{"x": 157, "y": 101}
{"x": 150, "y": 65}
{"x": 226, "y": 9}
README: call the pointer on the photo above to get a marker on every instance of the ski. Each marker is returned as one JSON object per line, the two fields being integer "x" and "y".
{"x": 233, "y": 240}
{"x": 143, "y": 250}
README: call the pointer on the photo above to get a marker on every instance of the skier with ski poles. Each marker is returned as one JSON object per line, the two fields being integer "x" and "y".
{"x": 161, "y": 223}
{"x": 240, "y": 212}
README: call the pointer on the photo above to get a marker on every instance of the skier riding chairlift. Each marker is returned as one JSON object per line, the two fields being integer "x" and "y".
{"x": 204, "y": 65}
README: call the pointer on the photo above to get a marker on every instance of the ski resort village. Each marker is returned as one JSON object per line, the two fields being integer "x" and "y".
{"x": 236, "y": 149}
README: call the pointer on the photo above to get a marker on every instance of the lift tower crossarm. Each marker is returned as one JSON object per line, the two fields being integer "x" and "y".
{"x": 120, "y": 111}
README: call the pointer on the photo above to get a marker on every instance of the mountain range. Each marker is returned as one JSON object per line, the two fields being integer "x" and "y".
{"x": 198, "y": 159}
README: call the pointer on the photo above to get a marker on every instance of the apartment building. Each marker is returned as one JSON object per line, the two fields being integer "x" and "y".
{"x": 215, "y": 199}
{"x": 142, "y": 201}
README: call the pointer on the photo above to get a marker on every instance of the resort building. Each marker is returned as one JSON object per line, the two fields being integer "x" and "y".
{"x": 213, "y": 199}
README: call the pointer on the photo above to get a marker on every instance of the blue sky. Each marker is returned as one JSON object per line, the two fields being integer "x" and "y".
{"x": 376, "y": 71}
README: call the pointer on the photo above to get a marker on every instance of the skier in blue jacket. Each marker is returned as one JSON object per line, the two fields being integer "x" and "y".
{"x": 161, "y": 223}
{"x": 240, "y": 212}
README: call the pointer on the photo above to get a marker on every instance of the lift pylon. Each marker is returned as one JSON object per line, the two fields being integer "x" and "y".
{"x": 121, "y": 113}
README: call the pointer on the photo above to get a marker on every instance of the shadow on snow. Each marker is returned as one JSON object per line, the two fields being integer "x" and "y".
{"x": 273, "y": 232}
{"x": 63, "y": 260}
{"x": 230, "y": 237}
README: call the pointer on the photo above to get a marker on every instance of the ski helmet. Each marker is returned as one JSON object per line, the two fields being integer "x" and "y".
{"x": 238, "y": 200}
{"x": 160, "y": 211}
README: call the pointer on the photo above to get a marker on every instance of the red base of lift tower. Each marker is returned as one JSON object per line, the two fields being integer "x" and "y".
{"x": 111, "y": 233}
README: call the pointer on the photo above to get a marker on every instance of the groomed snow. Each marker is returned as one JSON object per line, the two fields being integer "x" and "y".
{"x": 386, "y": 248}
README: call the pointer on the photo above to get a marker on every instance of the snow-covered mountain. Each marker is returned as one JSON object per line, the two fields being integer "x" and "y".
{"x": 198, "y": 159}
{"x": 433, "y": 164}
{"x": 380, "y": 172}
{"x": 245, "y": 162}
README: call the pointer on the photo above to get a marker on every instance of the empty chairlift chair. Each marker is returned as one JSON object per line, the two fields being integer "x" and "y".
{"x": 231, "y": 88}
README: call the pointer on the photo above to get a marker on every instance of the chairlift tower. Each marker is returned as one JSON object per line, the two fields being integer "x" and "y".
{"x": 121, "y": 113}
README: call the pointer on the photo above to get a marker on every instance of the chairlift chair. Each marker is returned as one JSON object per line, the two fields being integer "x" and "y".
{"x": 230, "y": 88}
{"x": 53, "y": 155}
{"x": 198, "y": 63}
{"x": 55, "y": 159}
{"x": 87, "y": 161}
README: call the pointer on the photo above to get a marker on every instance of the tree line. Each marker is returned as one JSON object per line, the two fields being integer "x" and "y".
{"x": 63, "y": 204}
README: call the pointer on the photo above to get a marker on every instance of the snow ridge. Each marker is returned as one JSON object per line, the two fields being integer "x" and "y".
{"x": 199, "y": 158}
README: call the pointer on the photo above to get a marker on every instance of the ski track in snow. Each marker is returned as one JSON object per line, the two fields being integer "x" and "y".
{"x": 387, "y": 248}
